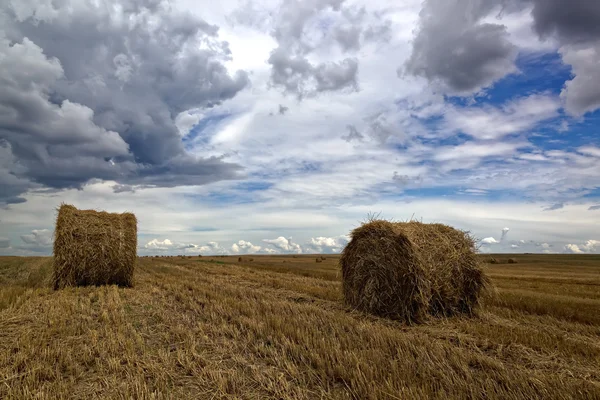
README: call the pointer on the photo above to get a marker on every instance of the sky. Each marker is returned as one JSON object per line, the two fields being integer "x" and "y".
{"x": 251, "y": 127}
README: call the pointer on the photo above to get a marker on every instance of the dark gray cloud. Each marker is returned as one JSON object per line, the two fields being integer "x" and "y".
{"x": 553, "y": 207}
{"x": 93, "y": 91}
{"x": 123, "y": 189}
{"x": 592, "y": 208}
{"x": 298, "y": 76}
{"x": 571, "y": 21}
{"x": 38, "y": 238}
{"x": 581, "y": 94}
{"x": 4, "y": 243}
{"x": 576, "y": 25}
{"x": 454, "y": 50}
{"x": 353, "y": 134}
{"x": 301, "y": 27}
{"x": 283, "y": 109}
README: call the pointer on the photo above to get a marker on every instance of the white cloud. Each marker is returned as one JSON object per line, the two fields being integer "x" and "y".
{"x": 589, "y": 247}
{"x": 489, "y": 240}
{"x": 38, "y": 237}
{"x": 285, "y": 245}
{"x": 323, "y": 244}
{"x": 492, "y": 123}
{"x": 156, "y": 244}
{"x": 244, "y": 247}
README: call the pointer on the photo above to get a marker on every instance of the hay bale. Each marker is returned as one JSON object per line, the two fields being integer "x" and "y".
{"x": 408, "y": 270}
{"x": 93, "y": 248}
{"x": 319, "y": 260}
{"x": 512, "y": 261}
{"x": 493, "y": 261}
{"x": 240, "y": 259}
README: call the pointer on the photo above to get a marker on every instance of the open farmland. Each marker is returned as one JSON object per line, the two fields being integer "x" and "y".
{"x": 275, "y": 327}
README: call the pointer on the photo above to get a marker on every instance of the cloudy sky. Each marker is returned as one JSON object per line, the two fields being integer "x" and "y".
{"x": 278, "y": 126}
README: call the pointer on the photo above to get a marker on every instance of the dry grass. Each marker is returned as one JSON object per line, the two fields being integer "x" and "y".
{"x": 408, "y": 270}
{"x": 94, "y": 248}
{"x": 196, "y": 328}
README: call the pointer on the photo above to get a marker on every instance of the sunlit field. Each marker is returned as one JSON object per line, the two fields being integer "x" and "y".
{"x": 275, "y": 327}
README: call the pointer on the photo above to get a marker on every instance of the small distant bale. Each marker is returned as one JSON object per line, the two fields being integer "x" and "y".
{"x": 93, "y": 248}
{"x": 199, "y": 255}
{"x": 493, "y": 261}
{"x": 319, "y": 260}
{"x": 410, "y": 270}
{"x": 251, "y": 259}
{"x": 240, "y": 259}
{"x": 323, "y": 258}
{"x": 512, "y": 261}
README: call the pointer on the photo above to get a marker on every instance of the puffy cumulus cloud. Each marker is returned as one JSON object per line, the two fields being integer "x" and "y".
{"x": 285, "y": 245}
{"x": 327, "y": 244}
{"x": 168, "y": 246}
{"x": 160, "y": 245}
{"x": 456, "y": 51}
{"x": 212, "y": 248}
{"x": 573, "y": 21}
{"x": 244, "y": 247}
{"x": 580, "y": 94}
{"x": 38, "y": 237}
{"x": 305, "y": 28}
{"x": 575, "y": 25}
{"x": 589, "y": 247}
{"x": 489, "y": 240}
{"x": 105, "y": 104}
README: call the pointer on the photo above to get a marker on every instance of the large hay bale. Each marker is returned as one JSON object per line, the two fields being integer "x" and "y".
{"x": 512, "y": 261}
{"x": 407, "y": 270}
{"x": 94, "y": 248}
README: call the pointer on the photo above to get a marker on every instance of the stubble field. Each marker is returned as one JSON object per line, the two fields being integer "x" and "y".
{"x": 275, "y": 327}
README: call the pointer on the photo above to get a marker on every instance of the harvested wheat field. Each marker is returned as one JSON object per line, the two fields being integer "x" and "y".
{"x": 276, "y": 328}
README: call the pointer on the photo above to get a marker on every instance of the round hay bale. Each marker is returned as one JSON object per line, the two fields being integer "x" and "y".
{"x": 318, "y": 259}
{"x": 93, "y": 248}
{"x": 493, "y": 261}
{"x": 240, "y": 259}
{"x": 512, "y": 261}
{"x": 408, "y": 270}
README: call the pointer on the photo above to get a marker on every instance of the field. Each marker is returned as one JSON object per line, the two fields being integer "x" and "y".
{"x": 275, "y": 327}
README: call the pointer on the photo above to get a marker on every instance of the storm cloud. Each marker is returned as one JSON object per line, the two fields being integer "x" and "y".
{"x": 458, "y": 52}
{"x": 92, "y": 91}
{"x": 461, "y": 54}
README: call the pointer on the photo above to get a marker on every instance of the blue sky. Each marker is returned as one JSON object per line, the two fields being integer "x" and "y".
{"x": 278, "y": 126}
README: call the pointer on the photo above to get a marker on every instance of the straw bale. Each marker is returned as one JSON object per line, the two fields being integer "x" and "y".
{"x": 94, "y": 248}
{"x": 409, "y": 270}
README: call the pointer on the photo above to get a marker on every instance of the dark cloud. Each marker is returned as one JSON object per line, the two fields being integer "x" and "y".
{"x": 580, "y": 95}
{"x": 553, "y": 207}
{"x": 4, "y": 243}
{"x": 93, "y": 91}
{"x": 123, "y": 189}
{"x": 300, "y": 28}
{"x": 38, "y": 238}
{"x": 353, "y": 134}
{"x": 298, "y": 76}
{"x": 571, "y": 21}
{"x": 576, "y": 26}
{"x": 456, "y": 51}
{"x": 283, "y": 109}
{"x": 592, "y": 208}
